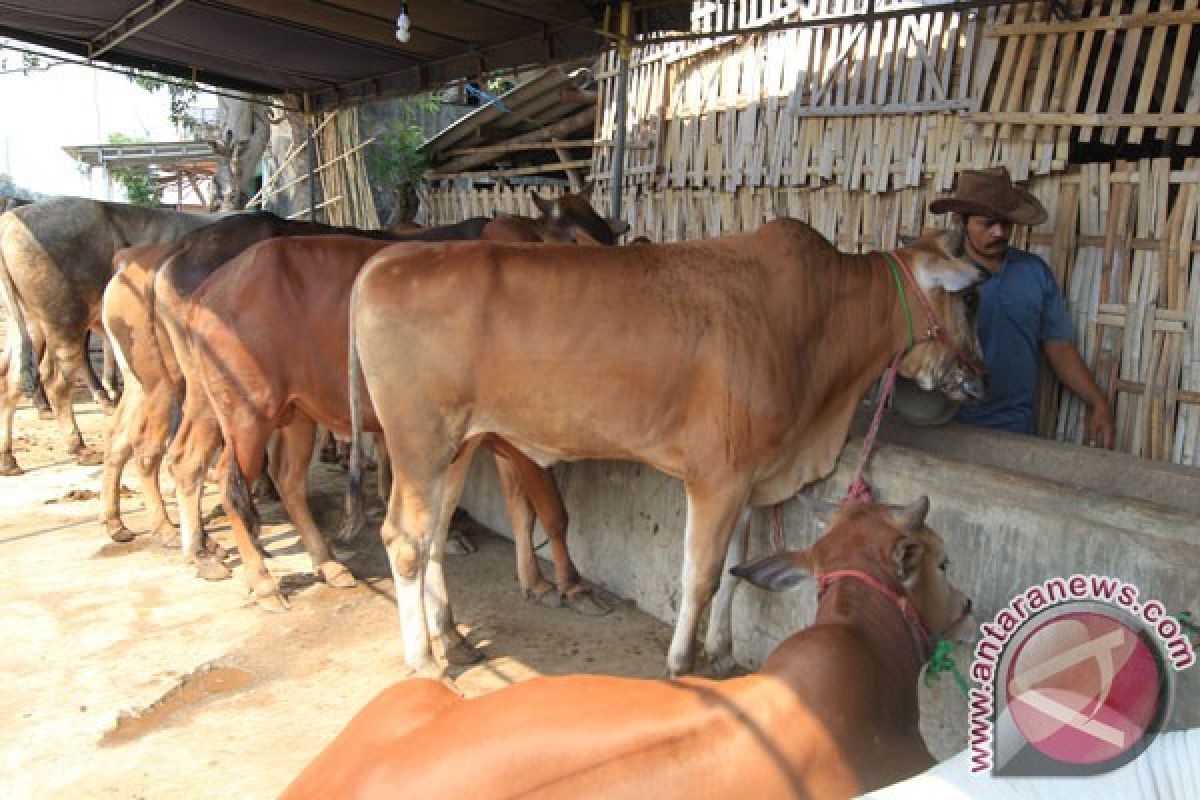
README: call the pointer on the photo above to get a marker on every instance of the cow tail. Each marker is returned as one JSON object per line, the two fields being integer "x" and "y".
{"x": 24, "y": 354}
{"x": 354, "y": 520}
{"x": 238, "y": 495}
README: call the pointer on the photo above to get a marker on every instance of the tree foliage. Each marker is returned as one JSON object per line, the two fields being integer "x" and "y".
{"x": 140, "y": 185}
{"x": 181, "y": 94}
{"x": 396, "y": 158}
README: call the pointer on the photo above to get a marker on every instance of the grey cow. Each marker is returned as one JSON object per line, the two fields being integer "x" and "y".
{"x": 55, "y": 260}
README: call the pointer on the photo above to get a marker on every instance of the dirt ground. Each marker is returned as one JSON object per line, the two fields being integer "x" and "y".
{"x": 126, "y": 677}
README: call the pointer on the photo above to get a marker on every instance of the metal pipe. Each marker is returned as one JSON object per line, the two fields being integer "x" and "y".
{"x": 624, "y": 53}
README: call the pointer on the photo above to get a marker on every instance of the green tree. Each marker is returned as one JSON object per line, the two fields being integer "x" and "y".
{"x": 396, "y": 162}
{"x": 140, "y": 184}
{"x": 181, "y": 94}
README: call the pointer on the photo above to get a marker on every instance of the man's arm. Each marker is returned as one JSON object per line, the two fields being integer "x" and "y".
{"x": 1068, "y": 365}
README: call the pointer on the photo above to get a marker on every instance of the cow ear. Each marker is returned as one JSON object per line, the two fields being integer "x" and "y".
{"x": 587, "y": 187}
{"x": 777, "y": 573}
{"x": 549, "y": 208}
{"x": 619, "y": 226}
{"x": 907, "y": 553}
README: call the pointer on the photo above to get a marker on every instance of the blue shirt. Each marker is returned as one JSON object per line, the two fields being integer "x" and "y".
{"x": 1020, "y": 307}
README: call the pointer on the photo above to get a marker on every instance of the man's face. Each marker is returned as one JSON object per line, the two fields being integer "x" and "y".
{"x": 987, "y": 238}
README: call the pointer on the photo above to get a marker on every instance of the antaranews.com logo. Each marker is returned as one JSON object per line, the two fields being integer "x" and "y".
{"x": 1073, "y": 677}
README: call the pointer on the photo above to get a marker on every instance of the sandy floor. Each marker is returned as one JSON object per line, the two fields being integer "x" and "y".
{"x": 126, "y": 677}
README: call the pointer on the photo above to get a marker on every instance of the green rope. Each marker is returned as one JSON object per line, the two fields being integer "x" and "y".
{"x": 1184, "y": 618}
{"x": 941, "y": 662}
{"x": 891, "y": 262}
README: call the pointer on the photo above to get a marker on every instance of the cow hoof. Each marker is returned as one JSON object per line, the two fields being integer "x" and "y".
{"x": 87, "y": 457}
{"x": 583, "y": 600}
{"x": 337, "y": 575}
{"x": 211, "y": 569}
{"x": 214, "y": 548}
{"x": 9, "y": 466}
{"x": 274, "y": 602}
{"x": 119, "y": 533}
{"x": 165, "y": 532}
{"x": 721, "y": 667}
{"x": 431, "y": 670}
{"x": 462, "y": 653}
{"x": 459, "y": 545}
{"x": 544, "y": 595}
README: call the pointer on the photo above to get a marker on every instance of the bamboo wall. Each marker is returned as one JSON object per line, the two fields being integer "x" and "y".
{"x": 855, "y": 126}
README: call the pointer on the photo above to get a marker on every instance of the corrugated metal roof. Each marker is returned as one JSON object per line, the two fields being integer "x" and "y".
{"x": 336, "y": 51}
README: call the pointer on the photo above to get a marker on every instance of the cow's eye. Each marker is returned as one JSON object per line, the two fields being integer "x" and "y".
{"x": 944, "y": 565}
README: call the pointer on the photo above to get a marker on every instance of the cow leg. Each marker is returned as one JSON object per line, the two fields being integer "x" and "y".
{"x": 110, "y": 380}
{"x": 95, "y": 386}
{"x": 712, "y": 510}
{"x": 290, "y": 461}
{"x": 718, "y": 644}
{"x": 237, "y": 475}
{"x": 45, "y": 366}
{"x": 453, "y": 646}
{"x": 520, "y": 516}
{"x": 118, "y": 449}
{"x": 10, "y": 397}
{"x": 150, "y": 445}
{"x": 195, "y": 443}
{"x": 414, "y": 533}
{"x": 68, "y": 362}
{"x": 540, "y": 487}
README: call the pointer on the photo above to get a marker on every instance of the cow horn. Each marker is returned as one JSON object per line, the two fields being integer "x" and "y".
{"x": 911, "y": 518}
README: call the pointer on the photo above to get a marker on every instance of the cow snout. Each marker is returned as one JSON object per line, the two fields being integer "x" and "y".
{"x": 973, "y": 387}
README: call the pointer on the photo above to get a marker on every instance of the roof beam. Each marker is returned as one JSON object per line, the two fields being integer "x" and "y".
{"x": 146, "y": 14}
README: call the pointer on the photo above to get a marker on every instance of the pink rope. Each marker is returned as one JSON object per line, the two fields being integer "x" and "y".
{"x": 859, "y": 490}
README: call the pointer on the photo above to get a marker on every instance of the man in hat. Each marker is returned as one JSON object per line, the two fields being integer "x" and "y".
{"x": 1021, "y": 310}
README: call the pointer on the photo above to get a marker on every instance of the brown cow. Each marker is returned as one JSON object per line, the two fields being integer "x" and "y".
{"x": 733, "y": 364}
{"x": 199, "y": 434}
{"x": 832, "y": 712}
{"x": 243, "y": 322}
{"x": 141, "y": 425}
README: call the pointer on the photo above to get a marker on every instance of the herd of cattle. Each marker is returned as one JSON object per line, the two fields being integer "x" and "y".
{"x": 733, "y": 364}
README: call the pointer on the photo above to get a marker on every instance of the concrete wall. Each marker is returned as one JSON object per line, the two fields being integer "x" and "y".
{"x": 1019, "y": 511}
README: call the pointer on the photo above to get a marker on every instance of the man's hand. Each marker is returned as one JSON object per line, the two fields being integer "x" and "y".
{"x": 1068, "y": 365}
{"x": 1100, "y": 426}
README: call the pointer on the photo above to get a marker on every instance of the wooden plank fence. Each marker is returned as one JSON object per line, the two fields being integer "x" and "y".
{"x": 899, "y": 96}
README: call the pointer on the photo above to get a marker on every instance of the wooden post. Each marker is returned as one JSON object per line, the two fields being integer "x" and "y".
{"x": 312, "y": 159}
{"x": 618, "y": 164}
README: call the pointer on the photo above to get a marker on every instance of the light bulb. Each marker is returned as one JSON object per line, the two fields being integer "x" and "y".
{"x": 403, "y": 25}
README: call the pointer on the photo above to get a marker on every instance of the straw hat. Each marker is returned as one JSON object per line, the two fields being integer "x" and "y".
{"x": 991, "y": 193}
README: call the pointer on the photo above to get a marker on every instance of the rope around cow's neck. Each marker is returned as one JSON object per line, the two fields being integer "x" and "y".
{"x": 891, "y": 259}
{"x": 859, "y": 491}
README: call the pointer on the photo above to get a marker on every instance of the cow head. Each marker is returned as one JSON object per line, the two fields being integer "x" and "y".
{"x": 949, "y": 361}
{"x": 571, "y": 218}
{"x": 892, "y": 545}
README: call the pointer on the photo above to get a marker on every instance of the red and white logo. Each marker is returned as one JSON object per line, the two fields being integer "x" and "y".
{"x": 1084, "y": 688}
